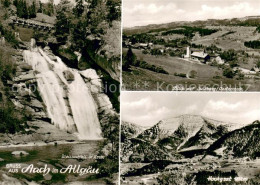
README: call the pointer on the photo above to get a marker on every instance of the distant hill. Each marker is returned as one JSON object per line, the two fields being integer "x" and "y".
{"x": 129, "y": 130}
{"x": 255, "y": 20}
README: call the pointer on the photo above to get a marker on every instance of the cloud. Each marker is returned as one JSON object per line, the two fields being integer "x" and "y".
{"x": 147, "y": 108}
{"x": 237, "y": 112}
{"x": 237, "y": 10}
{"x": 222, "y": 105}
{"x": 144, "y": 111}
{"x": 138, "y": 13}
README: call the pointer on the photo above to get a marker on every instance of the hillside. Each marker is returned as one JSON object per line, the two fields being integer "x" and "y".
{"x": 243, "y": 142}
{"x": 211, "y": 22}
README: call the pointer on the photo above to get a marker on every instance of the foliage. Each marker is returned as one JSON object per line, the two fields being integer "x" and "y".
{"x": 62, "y": 27}
{"x": 9, "y": 36}
{"x": 258, "y": 29}
{"x": 32, "y": 10}
{"x": 40, "y": 10}
{"x": 48, "y": 9}
{"x": 229, "y": 55}
{"x": 233, "y": 63}
{"x": 156, "y": 51}
{"x": 25, "y": 11}
{"x": 128, "y": 60}
{"x": 22, "y": 10}
{"x": 183, "y": 75}
{"x": 177, "y": 43}
{"x": 150, "y": 67}
{"x": 7, "y": 66}
{"x": 114, "y": 10}
{"x": 228, "y": 72}
{"x": 258, "y": 64}
{"x": 7, "y": 3}
{"x": 109, "y": 164}
{"x": 176, "y": 177}
{"x": 189, "y": 31}
{"x": 79, "y": 8}
{"x": 142, "y": 38}
{"x": 11, "y": 120}
{"x": 255, "y": 44}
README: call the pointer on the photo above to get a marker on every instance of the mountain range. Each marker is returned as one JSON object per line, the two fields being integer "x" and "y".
{"x": 188, "y": 136}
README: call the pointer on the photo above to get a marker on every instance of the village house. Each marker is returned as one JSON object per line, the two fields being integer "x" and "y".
{"x": 200, "y": 56}
{"x": 197, "y": 55}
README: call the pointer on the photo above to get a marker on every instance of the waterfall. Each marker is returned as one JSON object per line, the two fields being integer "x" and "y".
{"x": 68, "y": 100}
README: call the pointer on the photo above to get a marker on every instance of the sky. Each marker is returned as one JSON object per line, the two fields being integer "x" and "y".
{"x": 144, "y": 12}
{"x": 147, "y": 108}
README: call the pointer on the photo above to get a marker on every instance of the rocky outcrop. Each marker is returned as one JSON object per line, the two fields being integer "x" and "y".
{"x": 68, "y": 76}
{"x": 95, "y": 85}
{"x": 19, "y": 153}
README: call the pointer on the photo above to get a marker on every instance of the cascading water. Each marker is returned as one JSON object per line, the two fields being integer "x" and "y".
{"x": 68, "y": 101}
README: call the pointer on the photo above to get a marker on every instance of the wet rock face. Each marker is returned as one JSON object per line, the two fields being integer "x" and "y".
{"x": 19, "y": 153}
{"x": 2, "y": 41}
{"x": 25, "y": 67}
{"x": 33, "y": 44}
{"x": 68, "y": 76}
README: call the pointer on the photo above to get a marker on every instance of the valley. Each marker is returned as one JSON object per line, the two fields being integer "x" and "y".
{"x": 191, "y": 149}
{"x": 219, "y": 54}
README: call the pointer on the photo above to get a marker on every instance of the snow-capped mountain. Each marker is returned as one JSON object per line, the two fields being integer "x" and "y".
{"x": 171, "y": 137}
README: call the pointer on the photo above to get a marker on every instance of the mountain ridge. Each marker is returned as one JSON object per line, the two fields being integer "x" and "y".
{"x": 189, "y": 133}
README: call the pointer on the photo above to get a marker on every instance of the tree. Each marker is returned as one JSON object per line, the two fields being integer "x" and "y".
{"x": 128, "y": 60}
{"x": 62, "y": 27}
{"x": 229, "y": 55}
{"x": 114, "y": 10}
{"x": 258, "y": 64}
{"x": 130, "y": 56}
{"x": 40, "y": 7}
{"x": 32, "y": 10}
{"x": 229, "y": 73}
{"x": 25, "y": 10}
{"x": 7, "y": 3}
{"x": 22, "y": 10}
{"x": 15, "y": 2}
{"x": 79, "y": 8}
{"x": 79, "y": 35}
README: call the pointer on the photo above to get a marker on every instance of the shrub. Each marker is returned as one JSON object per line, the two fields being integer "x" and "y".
{"x": 9, "y": 36}
{"x": 11, "y": 120}
{"x": 228, "y": 72}
{"x": 183, "y": 75}
{"x": 154, "y": 68}
{"x": 229, "y": 55}
{"x": 255, "y": 44}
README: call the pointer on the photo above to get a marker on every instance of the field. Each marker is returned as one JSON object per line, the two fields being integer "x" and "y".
{"x": 229, "y": 37}
{"x": 206, "y": 75}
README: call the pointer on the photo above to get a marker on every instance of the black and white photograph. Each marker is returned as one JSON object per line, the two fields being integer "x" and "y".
{"x": 191, "y": 45}
{"x": 59, "y": 91}
{"x": 190, "y": 138}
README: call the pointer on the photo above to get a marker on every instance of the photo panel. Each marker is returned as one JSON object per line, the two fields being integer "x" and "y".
{"x": 59, "y": 92}
{"x": 191, "y": 45}
{"x": 190, "y": 138}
